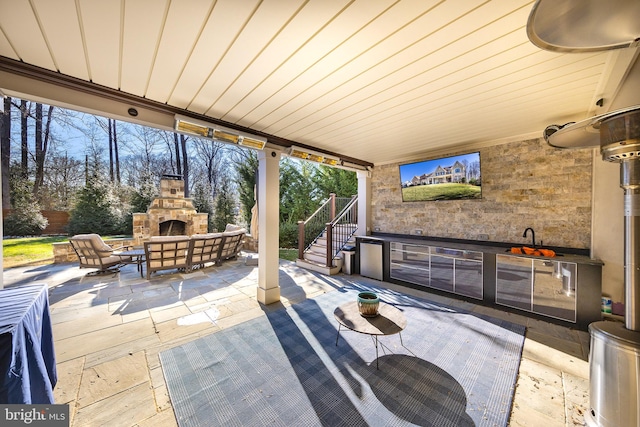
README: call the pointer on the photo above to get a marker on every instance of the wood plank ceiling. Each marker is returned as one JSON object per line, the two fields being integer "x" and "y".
{"x": 377, "y": 80}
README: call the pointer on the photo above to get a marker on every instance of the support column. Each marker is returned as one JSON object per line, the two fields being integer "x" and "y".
{"x": 364, "y": 203}
{"x": 1, "y": 220}
{"x": 268, "y": 226}
{"x": 1, "y": 239}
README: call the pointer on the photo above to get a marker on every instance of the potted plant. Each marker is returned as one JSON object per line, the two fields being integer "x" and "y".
{"x": 368, "y": 303}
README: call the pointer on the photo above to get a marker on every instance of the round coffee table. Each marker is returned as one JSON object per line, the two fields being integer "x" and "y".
{"x": 389, "y": 321}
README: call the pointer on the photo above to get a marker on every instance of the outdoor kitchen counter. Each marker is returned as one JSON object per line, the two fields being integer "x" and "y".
{"x": 566, "y": 288}
{"x": 498, "y": 248}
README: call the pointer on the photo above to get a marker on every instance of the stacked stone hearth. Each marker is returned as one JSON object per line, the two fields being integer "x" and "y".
{"x": 171, "y": 214}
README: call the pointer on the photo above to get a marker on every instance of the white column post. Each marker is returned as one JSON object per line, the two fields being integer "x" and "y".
{"x": 364, "y": 203}
{"x": 268, "y": 226}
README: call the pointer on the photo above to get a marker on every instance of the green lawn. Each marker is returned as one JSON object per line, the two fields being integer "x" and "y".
{"x": 29, "y": 250}
{"x": 39, "y": 250}
{"x": 288, "y": 254}
{"x": 450, "y": 191}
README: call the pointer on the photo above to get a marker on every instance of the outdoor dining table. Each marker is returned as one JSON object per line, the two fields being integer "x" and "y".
{"x": 27, "y": 356}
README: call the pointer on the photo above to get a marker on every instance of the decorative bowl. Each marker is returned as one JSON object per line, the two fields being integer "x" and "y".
{"x": 368, "y": 303}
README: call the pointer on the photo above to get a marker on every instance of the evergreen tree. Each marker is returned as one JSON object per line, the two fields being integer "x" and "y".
{"x": 298, "y": 198}
{"x": 329, "y": 180}
{"x": 202, "y": 203}
{"x": 246, "y": 166}
{"x": 143, "y": 196}
{"x": 225, "y": 206}
{"x": 25, "y": 219}
{"x": 95, "y": 211}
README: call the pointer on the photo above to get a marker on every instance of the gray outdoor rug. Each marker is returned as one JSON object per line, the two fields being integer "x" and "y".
{"x": 455, "y": 369}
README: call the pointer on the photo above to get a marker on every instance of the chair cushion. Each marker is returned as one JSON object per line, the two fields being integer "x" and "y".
{"x": 102, "y": 249}
{"x": 167, "y": 238}
{"x": 235, "y": 232}
{"x": 233, "y": 227}
{"x": 206, "y": 236}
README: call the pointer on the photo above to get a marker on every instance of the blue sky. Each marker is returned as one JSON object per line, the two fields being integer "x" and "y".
{"x": 410, "y": 170}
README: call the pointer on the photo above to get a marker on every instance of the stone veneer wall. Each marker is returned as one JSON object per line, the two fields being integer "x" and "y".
{"x": 524, "y": 184}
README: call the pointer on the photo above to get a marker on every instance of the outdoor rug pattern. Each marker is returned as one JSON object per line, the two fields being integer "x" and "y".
{"x": 285, "y": 369}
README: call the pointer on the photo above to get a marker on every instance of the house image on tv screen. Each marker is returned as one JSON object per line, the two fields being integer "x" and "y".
{"x": 455, "y": 173}
{"x": 446, "y": 178}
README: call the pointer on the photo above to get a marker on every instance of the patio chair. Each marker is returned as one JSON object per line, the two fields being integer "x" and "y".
{"x": 232, "y": 242}
{"x": 93, "y": 252}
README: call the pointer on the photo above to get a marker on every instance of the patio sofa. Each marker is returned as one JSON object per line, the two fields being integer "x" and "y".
{"x": 205, "y": 248}
{"x": 166, "y": 253}
{"x": 184, "y": 252}
{"x": 93, "y": 252}
{"x": 233, "y": 236}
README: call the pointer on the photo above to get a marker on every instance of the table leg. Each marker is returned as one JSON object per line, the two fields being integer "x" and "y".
{"x": 377, "y": 363}
{"x": 338, "y": 336}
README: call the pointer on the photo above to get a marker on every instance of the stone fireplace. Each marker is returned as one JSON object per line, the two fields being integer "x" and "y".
{"x": 171, "y": 214}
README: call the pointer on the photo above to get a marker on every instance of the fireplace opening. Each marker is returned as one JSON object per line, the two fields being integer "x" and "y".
{"x": 173, "y": 228}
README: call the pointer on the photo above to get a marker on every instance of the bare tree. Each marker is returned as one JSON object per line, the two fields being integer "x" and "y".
{"x": 172, "y": 142}
{"x": 146, "y": 155}
{"x": 41, "y": 145}
{"x": 25, "y": 111}
{"x": 176, "y": 145}
{"x": 465, "y": 164}
{"x": 185, "y": 164}
{"x": 5, "y": 150}
{"x": 474, "y": 170}
{"x": 63, "y": 177}
{"x": 109, "y": 127}
{"x": 94, "y": 149}
{"x": 115, "y": 152}
{"x": 110, "y": 150}
{"x": 211, "y": 154}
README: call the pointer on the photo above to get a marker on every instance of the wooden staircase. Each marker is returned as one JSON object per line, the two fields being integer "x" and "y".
{"x": 316, "y": 254}
{"x": 323, "y": 253}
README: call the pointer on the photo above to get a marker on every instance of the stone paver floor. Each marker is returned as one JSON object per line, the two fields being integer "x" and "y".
{"x": 110, "y": 328}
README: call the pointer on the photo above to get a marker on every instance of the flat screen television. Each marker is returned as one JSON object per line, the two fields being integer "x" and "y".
{"x": 445, "y": 178}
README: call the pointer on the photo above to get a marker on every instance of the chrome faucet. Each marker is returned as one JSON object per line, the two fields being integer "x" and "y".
{"x": 533, "y": 235}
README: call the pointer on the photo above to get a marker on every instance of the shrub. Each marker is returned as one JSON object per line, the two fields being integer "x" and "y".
{"x": 25, "y": 218}
{"x": 225, "y": 207}
{"x": 202, "y": 204}
{"x": 95, "y": 211}
{"x": 288, "y": 235}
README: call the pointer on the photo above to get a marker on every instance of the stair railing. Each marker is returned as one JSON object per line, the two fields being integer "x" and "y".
{"x": 341, "y": 229}
{"x": 310, "y": 230}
